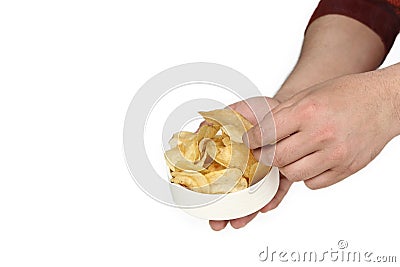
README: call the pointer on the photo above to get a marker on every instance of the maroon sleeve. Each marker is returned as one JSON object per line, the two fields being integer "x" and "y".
{"x": 378, "y": 15}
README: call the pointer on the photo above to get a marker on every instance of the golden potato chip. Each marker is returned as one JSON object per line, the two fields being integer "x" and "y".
{"x": 218, "y": 140}
{"x": 193, "y": 180}
{"x": 175, "y": 160}
{"x": 179, "y": 137}
{"x": 213, "y": 162}
{"x": 242, "y": 184}
{"x": 223, "y": 181}
{"x": 233, "y": 156}
{"x": 235, "y": 134}
{"x": 188, "y": 166}
{"x": 226, "y": 141}
{"x": 215, "y": 166}
{"x": 190, "y": 148}
{"x": 257, "y": 172}
{"x": 250, "y": 161}
{"x": 208, "y": 149}
{"x": 224, "y": 117}
{"x": 187, "y": 143}
{"x": 207, "y": 131}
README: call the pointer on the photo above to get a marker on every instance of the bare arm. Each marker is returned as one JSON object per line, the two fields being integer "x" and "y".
{"x": 334, "y": 45}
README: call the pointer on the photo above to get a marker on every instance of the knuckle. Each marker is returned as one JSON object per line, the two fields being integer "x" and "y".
{"x": 309, "y": 109}
{"x": 292, "y": 174}
{"x": 254, "y": 136}
{"x": 287, "y": 149}
{"x": 353, "y": 167}
{"x": 312, "y": 184}
{"x": 339, "y": 153}
{"x": 278, "y": 160}
{"x": 278, "y": 120}
{"x": 325, "y": 134}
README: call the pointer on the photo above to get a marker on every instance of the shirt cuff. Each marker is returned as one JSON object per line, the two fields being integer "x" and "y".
{"x": 377, "y": 15}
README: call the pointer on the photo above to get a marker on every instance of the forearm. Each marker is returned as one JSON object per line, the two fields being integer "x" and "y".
{"x": 333, "y": 46}
{"x": 387, "y": 82}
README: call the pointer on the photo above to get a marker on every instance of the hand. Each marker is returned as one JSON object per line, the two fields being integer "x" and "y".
{"x": 329, "y": 131}
{"x": 254, "y": 110}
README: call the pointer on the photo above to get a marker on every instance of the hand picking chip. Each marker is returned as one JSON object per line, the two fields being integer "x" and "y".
{"x": 212, "y": 163}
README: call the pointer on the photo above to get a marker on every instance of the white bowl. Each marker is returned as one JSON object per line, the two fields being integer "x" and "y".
{"x": 227, "y": 206}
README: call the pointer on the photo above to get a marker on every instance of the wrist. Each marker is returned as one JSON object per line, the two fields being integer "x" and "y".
{"x": 295, "y": 84}
{"x": 386, "y": 83}
{"x": 391, "y": 84}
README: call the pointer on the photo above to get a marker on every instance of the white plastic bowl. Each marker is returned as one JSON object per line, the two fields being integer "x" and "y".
{"x": 227, "y": 206}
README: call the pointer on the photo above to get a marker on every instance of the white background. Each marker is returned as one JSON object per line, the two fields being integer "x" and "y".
{"x": 68, "y": 71}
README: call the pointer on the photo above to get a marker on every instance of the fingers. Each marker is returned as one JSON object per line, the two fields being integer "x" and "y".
{"x": 218, "y": 225}
{"x": 287, "y": 150}
{"x": 235, "y": 223}
{"x": 242, "y": 222}
{"x": 255, "y": 108}
{"x": 284, "y": 186}
{"x": 307, "y": 167}
{"x": 325, "y": 179}
{"x": 273, "y": 127}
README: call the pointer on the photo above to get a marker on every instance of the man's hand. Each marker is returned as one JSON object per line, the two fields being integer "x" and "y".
{"x": 331, "y": 130}
{"x": 254, "y": 110}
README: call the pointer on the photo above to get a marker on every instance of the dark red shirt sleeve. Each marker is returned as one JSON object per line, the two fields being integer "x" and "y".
{"x": 382, "y": 16}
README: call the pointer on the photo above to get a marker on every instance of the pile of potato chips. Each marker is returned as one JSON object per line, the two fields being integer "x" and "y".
{"x": 214, "y": 160}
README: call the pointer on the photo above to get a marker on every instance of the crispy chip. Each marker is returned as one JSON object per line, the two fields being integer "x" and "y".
{"x": 175, "y": 160}
{"x": 257, "y": 172}
{"x": 226, "y": 141}
{"x": 248, "y": 172}
{"x": 190, "y": 148}
{"x": 242, "y": 184}
{"x": 193, "y": 180}
{"x": 218, "y": 140}
{"x": 233, "y": 156}
{"x": 208, "y": 149}
{"x": 212, "y": 162}
{"x": 223, "y": 181}
{"x": 215, "y": 166}
{"x": 179, "y": 137}
{"x": 207, "y": 131}
{"x": 225, "y": 117}
{"x": 233, "y": 133}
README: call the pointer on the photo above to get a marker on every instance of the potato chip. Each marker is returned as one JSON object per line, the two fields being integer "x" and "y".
{"x": 207, "y": 131}
{"x": 215, "y": 166}
{"x": 235, "y": 134}
{"x": 214, "y": 162}
{"x": 179, "y": 137}
{"x": 242, "y": 184}
{"x": 225, "y": 117}
{"x": 190, "y": 148}
{"x": 257, "y": 172}
{"x": 250, "y": 161}
{"x": 176, "y": 161}
{"x": 187, "y": 143}
{"x": 208, "y": 149}
{"x": 233, "y": 156}
{"x": 185, "y": 165}
{"x": 193, "y": 180}
{"x": 223, "y": 181}
{"x": 226, "y": 141}
{"x": 218, "y": 140}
